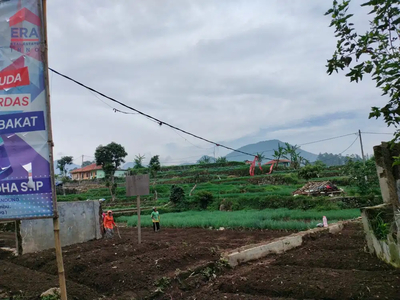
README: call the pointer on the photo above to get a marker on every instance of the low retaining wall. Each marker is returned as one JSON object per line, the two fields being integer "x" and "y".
{"x": 79, "y": 222}
{"x": 387, "y": 249}
{"x": 276, "y": 246}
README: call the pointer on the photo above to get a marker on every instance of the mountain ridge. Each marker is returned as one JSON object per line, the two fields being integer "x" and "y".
{"x": 267, "y": 149}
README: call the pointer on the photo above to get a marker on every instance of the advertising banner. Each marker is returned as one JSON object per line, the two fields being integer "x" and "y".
{"x": 25, "y": 182}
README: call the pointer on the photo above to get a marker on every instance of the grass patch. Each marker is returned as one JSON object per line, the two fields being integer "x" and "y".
{"x": 278, "y": 219}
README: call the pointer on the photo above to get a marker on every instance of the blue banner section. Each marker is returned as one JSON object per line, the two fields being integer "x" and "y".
{"x": 22, "y": 122}
{"x": 26, "y": 206}
{"x": 22, "y": 187}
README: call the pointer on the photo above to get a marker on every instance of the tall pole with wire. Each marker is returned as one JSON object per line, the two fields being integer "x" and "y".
{"x": 362, "y": 148}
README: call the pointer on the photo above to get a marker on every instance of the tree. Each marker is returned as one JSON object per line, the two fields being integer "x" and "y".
{"x": 277, "y": 155}
{"x": 363, "y": 176}
{"x": 293, "y": 155}
{"x": 87, "y": 163}
{"x": 63, "y": 162}
{"x": 375, "y": 52}
{"x": 260, "y": 157}
{"x": 154, "y": 165}
{"x": 336, "y": 159}
{"x": 62, "y": 166}
{"x": 205, "y": 160}
{"x": 138, "y": 161}
{"x": 221, "y": 160}
{"x": 110, "y": 157}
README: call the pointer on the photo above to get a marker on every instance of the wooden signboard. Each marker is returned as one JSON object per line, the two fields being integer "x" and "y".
{"x": 138, "y": 185}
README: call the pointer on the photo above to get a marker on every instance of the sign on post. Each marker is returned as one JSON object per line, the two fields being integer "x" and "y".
{"x": 138, "y": 185}
{"x": 26, "y": 142}
{"x": 25, "y": 177}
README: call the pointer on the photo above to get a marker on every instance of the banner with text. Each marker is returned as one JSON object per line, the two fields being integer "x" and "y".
{"x": 25, "y": 184}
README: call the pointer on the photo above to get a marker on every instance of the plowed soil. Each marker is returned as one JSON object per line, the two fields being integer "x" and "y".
{"x": 325, "y": 267}
{"x": 120, "y": 268}
{"x": 329, "y": 267}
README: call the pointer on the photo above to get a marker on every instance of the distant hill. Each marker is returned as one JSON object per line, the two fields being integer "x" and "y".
{"x": 267, "y": 148}
{"x": 127, "y": 166}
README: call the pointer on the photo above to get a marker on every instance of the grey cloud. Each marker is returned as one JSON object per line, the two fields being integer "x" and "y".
{"x": 221, "y": 69}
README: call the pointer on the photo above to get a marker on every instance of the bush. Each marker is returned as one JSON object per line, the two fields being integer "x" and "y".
{"x": 204, "y": 198}
{"x": 177, "y": 194}
{"x": 309, "y": 172}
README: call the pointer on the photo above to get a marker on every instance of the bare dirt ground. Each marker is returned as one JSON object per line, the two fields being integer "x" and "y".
{"x": 120, "y": 268}
{"x": 329, "y": 267}
{"x": 184, "y": 264}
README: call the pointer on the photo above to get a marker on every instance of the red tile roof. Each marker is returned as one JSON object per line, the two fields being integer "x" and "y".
{"x": 88, "y": 168}
{"x": 274, "y": 161}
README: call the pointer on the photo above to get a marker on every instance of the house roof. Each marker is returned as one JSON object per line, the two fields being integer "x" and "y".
{"x": 88, "y": 168}
{"x": 275, "y": 160}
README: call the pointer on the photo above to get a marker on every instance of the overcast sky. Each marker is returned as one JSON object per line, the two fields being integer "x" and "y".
{"x": 235, "y": 72}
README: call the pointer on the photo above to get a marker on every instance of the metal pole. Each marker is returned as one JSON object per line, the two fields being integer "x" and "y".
{"x": 56, "y": 223}
{"x": 362, "y": 148}
{"x": 139, "y": 229}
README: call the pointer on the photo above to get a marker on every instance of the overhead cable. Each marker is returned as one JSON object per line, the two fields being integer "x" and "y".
{"x": 160, "y": 122}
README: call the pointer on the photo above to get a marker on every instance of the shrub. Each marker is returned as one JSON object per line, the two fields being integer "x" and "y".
{"x": 204, "y": 198}
{"x": 309, "y": 172}
{"x": 177, "y": 194}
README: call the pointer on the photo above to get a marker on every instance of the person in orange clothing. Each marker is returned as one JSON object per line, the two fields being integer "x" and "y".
{"x": 109, "y": 224}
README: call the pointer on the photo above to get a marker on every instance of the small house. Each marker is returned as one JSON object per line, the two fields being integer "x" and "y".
{"x": 93, "y": 171}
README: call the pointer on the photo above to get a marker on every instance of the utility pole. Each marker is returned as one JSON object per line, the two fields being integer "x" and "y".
{"x": 214, "y": 156}
{"x": 362, "y": 148}
{"x": 362, "y": 152}
{"x": 82, "y": 161}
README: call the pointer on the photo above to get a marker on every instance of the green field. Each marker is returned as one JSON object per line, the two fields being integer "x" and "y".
{"x": 281, "y": 219}
{"x": 262, "y": 201}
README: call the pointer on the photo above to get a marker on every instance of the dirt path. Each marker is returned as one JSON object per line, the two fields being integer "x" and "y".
{"x": 330, "y": 267}
{"x": 120, "y": 268}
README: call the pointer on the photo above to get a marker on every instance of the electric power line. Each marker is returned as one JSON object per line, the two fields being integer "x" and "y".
{"x": 349, "y": 146}
{"x": 328, "y": 139}
{"x": 160, "y": 122}
{"x": 377, "y": 133}
{"x": 190, "y": 141}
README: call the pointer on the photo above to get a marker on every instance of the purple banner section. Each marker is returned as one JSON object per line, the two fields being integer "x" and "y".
{"x": 22, "y": 187}
{"x": 22, "y": 122}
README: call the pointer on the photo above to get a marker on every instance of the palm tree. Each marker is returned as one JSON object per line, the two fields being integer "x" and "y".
{"x": 138, "y": 161}
{"x": 260, "y": 157}
{"x": 291, "y": 153}
{"x": 277, "y": 155}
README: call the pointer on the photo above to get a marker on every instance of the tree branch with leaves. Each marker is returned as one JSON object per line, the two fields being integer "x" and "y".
{"x": 110, "y": 158}
{"x": 375, "y": 52}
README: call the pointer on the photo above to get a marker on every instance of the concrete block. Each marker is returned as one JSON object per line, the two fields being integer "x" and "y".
{"x": 276, "y": 246}
{"x": 335, "y": 228}
{"x": 79, "y": 222}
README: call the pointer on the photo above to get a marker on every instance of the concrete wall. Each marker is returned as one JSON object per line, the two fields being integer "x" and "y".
{"x": 118, "y": 173}
{"x": 79, "y": 222}
{"x": 388, "y": 249}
